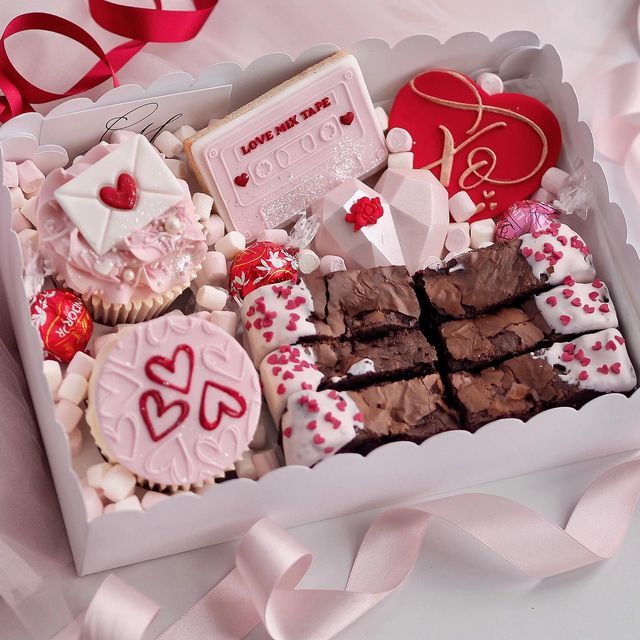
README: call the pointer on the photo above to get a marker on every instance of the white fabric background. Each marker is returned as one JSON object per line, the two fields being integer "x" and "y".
{"x": 457, "y": 591}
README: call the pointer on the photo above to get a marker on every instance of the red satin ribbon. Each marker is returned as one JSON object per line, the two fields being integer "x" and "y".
{"x": 143, "y": 25}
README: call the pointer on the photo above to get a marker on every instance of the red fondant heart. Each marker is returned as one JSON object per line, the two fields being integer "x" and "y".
{"x": 158, "y": 427}
{"x": 223, "y": 408}
{"x": 242, "y": 180}
{"x": 347, "y": 118}
{"x": 161, "y": 370}
{"x": 123, "y": 196}
{"x": 502, "y": 143}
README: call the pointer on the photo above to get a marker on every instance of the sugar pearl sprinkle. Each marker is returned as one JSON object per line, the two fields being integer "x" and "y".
{"x": 556, "y": 253}
{"x": 573, "y": 307}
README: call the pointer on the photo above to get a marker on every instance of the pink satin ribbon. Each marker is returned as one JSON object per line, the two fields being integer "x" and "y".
{"x": 270, "y": 562}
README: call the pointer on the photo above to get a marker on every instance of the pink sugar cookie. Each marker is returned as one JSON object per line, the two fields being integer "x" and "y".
{"x": 175, "y": 400}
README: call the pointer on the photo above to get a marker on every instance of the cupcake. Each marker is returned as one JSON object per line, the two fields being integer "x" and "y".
{"x": 175, "y": 400}
{"x": 120, "y": 229}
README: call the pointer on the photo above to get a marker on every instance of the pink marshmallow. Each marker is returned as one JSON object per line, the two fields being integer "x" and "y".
{"x": 30, "y": 178}
{"x": 329, "y": 264}
{"x": 542, "y": 195}
{"x": 226, "y": 320}
{"x": 75, "y": 442}
{"x": 73, "y": 388}
{"x": 152, "y": 498}
{"x": 214, "y": 226}
{"x": 92, "y": 503}
{"x": 82, "y": 364}
{"x": 457, "y": 237}
{"x": 214, "y": 270}
{"x": 265, "y": 461}
{"x": 399, "y": 140}
{"x": 461, "y": 206}
{"x": 68, "y": 414}
{"x": 553, "y": 179}
{"x": 18, "y": 221}
{"x": 118, "y": 483}
{"x": 132, "y": 503}
{"x": 277, "y": 236}
{"x": 9, "y": 174}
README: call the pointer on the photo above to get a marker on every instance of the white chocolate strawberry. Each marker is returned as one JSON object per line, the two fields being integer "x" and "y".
{"x": 317, "y": 424}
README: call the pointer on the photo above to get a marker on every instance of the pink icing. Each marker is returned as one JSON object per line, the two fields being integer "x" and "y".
{"x": 177, "y": 400}
{"x": 158, "y": 259}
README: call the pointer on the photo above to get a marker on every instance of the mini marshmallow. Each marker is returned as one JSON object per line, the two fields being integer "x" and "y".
{"x": 18, "y": 221}
{"x": 482, "y": 231}
{"x": 214, "y": 226}
{"x": 277, "y": 236}
{"x": 92, "y": 503}
{"x": 118, "y": 483}
{"x": 553, "y": 179}
{"x": 231, "y": 244}
{"x": 73, "y": 388}
{"x": 118, "y": 137}
{"x": 245, "y": 467}
{"x": 308, "y": 261}
{"x": 265, "y": 461}
{"x": 382, "y": 117}
{"x": 152, "y": 498}
{"x": 490, "y": 82}
{"x": 96, "y": 473}
{"x": 203, "y": 204}
{"x": 168, "y": 144}
{"x": 28, "y": 210}
{"x": 53, "y": 374}
{"x": 9, "y": 174}
{"x": 177, "y": 167}
{"x": 214, "y": 270}
{"x": 29, "y": 239}
{"x": 454, "y": 254}
{"x": 212, "y": 298}
{"x": 17, "y": 198}
{"x": 68, "y": 414}
{"x": 75, "y": 442}
{"x": 184, "y": 132}
{"x": 82, "y": 364}
{"x": 399, "y": 140}
{"x": 329, "y": 264}
{"x": 457, "y": 237}
{"x": 461, "y": 206}
{"x": 226, "y": 320}
{"x": 431, "y": 262}
{"x": 132, "y": 503}
{"x": 542, "y": 195}
{"x": 403, "y": 160}
{"x": 30, "y": 178}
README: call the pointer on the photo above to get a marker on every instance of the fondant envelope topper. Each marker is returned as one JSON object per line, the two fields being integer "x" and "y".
{"x": 119, "y": 194}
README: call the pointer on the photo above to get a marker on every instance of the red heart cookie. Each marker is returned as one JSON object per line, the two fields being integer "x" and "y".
{"x": 223, "y": 408}
{"x": 494, "y": 147}
{"x": 175, "y": 372}
{"x": 157, "y": 422}
{"x": 123, "y": 196}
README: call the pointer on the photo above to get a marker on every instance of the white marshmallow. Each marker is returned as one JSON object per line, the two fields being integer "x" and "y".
{"x": 553, "y": 179}
{"x": 329, "y": 264}
{"x": 226, "y": 320}
{"x": 308, "y": 261}
{"x": 454, "y": 254}
{"x": 118, "y": 483}
{"x": 277, "y": 236}
{"x": 96, "y": 473}
{"x": 152, "y": 498}
{"x": 9, "y": 174}
{"x": 17, "y": 198}
{"x": 461, "y": 206}
{"x": 28, "y": 210}
{"x": 68, "y": 414}
{"x": 212, "y": 298}
{"x": 132, "y": 503}
{"x": 53, "y": 374}
{"x": 214, "y": 226}
{"x": 431, "y": 262}
{"x": 168, "y": 144}
{"x": 231, "y": 244}
{"x": 490, "y": 82}
{"x": 382, "y": 117}
{"x": 403, "y": 160}
{"x": 92, "y": 503}
{"x": 457, "y": 237}
{"x": 203, "y": 204}
{"x": 265, "y": 461}
{"x": 75, "y": 442}
{"x": 184, "y": 132}
{"x": 399, "y": 140}
{"x": 177, "y": 167}
{"x": 245, "y": 467}
{"x": 82, "y": 364}
{"x": 542, "y": 195}
{"x": 73, "y": 388}
{"x": 18, "y": 221}
{"x": 214, "y": 270}
{"x": 30, "y": 178}
{"x": 118, "y": 137}
{"x": 482, "y": 231}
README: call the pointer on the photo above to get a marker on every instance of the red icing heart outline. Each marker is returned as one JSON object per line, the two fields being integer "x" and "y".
{"x": 123, "y": 196}
{"x": 223, "y": 407}
{"x": 170, "y": 365}
{"x": 161, "y": 409}
{"x": 502, "y": 142}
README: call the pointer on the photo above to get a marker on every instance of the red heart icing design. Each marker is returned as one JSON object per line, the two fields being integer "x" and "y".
{"x": 156, "y": 426}
{"x": 123, "y": 196}
{"x": 242, "y": 180}
{"x": 167, "y": 365}
{"x": 223, "y": 408}
{"x": 347, "y": 118}
{"x": 475, "y": 141}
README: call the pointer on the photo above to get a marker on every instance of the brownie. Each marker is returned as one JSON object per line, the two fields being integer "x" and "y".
{"x": 363, "y": 303}
{"x": 405, "y": 353}
{"x": 412, "y": 410}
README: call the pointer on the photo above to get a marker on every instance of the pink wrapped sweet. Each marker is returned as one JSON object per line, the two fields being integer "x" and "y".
{"x": 524, "y": 216}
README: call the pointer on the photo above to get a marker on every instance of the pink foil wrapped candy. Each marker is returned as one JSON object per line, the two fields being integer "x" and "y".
{"x": 524, "y": 216}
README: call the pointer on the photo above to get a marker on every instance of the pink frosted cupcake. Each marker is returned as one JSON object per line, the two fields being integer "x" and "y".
{"x": 119, "y": 228}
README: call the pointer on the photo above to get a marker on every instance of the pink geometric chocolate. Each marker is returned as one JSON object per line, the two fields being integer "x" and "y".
{"x": 176, "y": 400}
{"x": 525, "y": 216}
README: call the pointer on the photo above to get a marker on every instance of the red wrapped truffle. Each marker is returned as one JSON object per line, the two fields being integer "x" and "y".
{"x": 260, "y": 264}
{"x": 63, "y": 321}
{"x": 524, "y": 216}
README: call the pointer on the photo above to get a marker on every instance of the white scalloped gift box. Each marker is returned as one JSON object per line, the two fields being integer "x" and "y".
{"x": 399, "y": 471}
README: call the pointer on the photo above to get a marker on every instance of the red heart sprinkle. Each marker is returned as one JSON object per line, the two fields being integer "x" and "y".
{"x": 333, "y": 394}
{"x": 569, "y": 281}
{"x": 341, "y": 406}
{"x": 328, "y": 449}
{"x": 306, "y": 386}
{"x": 318, "y": 439}
{"x": 272, "y": 358}
{"x": 527, "y": 252}
{"x": 569, "y": 348}
{"x": 276, "y": 370}
{"x": 242, "y": 180}
{"x": 268, "y": 336}
{"x": 597, "y": 283}
{"x": 594, "y": 295}
{"x": 562, "y": 240}
{"x": 583, "y": 375}
{"x": 616, "y": 367}
{"x": 547, "y": 247}
{"x": 597, "y": 346}
{"x": 287, "y": 432}
{"x": 576, "y": 302}
{"x": 588, "y": 309}
{"x": 603, "y": 369}
{"x": 610, "y": 346}
{"x": 539, "y": 256}
{"x": 566, "y": 357}
{"x": 604, "y": 308}
{"x": 250, "y": 311}
{"x": 287, "y": 375}
{"x": 552, "y": 300}
{"x": 312, "y": 425}
{"x": 619, "y": 339}
{"x": 585, "y": 362}
{"x": 358, "y": 417}
{"x": 565, "y": 320}
{"x": 281, "y": 389}
{"x": 347, "y": 118}
{"x": 567, "y": 293}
